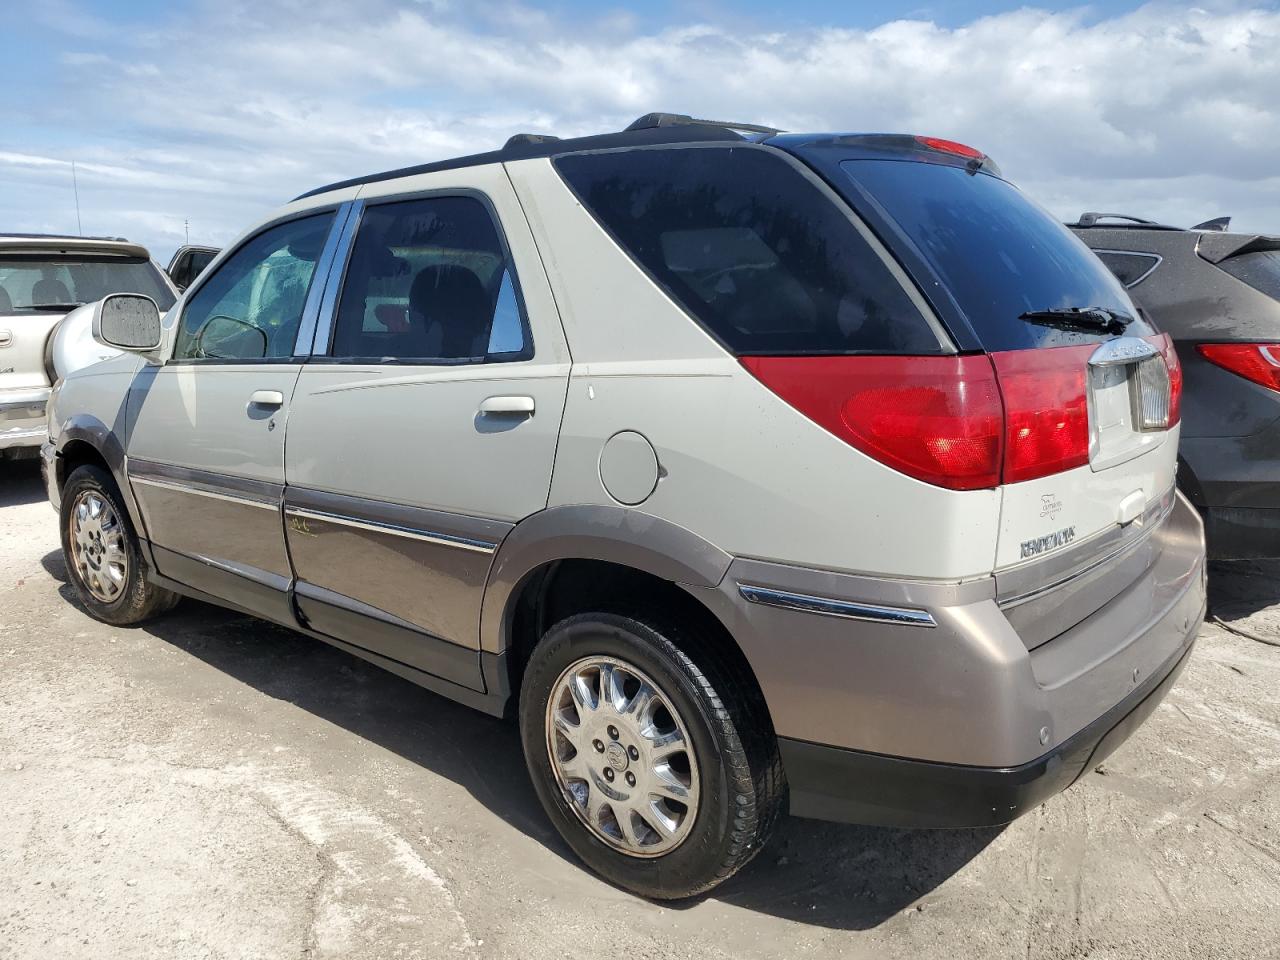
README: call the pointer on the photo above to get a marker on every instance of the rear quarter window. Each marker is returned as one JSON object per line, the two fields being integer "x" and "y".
{"x": 754, "y": 251}
{"x": 1129, "y": 268}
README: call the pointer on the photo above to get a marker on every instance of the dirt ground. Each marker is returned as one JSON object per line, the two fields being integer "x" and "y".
{"x": 210, "y": 786}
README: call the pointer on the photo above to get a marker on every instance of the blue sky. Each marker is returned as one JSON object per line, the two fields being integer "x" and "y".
{"x": 215, "y": 112}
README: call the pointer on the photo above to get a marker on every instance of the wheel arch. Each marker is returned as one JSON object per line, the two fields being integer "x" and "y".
{"x": 578, "y": 558}
{"x": 84, "y": 439}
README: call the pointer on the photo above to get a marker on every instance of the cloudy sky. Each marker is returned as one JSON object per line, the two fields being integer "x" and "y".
{"x": 215, "y": 111}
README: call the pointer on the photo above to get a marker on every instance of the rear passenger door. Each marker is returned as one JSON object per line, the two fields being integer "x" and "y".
{"x": 425, "y": 425}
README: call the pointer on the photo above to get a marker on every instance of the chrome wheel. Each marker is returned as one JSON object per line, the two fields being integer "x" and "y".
{"x": 97, "y": 546}
{"x": 622, "y": 756}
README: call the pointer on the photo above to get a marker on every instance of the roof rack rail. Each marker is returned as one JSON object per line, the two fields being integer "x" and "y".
{"x": 651, "y": 120}
{"x": 528, "y": 139}
{"x": 1218, "y": 224}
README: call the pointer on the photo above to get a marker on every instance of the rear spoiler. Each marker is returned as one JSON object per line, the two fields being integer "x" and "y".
{"x": 1216, "y": 247}
{"x": 71, "y": 246}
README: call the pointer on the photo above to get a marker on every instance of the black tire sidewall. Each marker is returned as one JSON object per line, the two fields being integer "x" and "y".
{"x": 695, "y": 864}
{"x": 135, "y": 599}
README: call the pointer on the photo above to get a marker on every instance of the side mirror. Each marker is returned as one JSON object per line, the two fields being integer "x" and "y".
{"x": 127, "y": 321}
{"x": 227, "y": 338}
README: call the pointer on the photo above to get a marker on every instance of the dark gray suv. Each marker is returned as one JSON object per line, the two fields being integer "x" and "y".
{"x": 1217, "y": 294}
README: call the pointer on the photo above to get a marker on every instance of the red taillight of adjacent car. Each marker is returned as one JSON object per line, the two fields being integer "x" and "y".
{"x": 963, "y": 422}
{"x": 937, "y": 419}
{"x": 1259, "y": 362}
{"x": 1046, "y": 410}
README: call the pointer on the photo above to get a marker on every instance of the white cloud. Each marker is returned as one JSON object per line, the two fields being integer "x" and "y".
{"x": 219, "y": 114}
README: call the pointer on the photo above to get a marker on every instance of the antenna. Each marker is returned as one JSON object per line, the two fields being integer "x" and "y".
{"x": 186, "y": 232}
{"x": 75, "y": 185}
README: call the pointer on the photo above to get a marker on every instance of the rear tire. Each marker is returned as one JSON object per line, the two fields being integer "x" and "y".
{"x": 614, "y": 776}
{"x": 103, "y": 558}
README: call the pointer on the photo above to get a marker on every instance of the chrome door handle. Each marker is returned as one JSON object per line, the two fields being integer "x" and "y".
{"x": 522, "y": 405}
{"x": 6, "y": 337}
{"x": 266, "y": 398}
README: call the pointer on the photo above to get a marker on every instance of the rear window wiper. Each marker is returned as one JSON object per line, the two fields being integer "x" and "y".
{"x": 51, "y": 306}
{"x": 1085, "y": 319}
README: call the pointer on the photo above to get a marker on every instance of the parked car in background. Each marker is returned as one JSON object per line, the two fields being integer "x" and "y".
{"x": 1217, "y": 294}
{"x": 751, "y": 471}
{"x": 43, "y": 334}
{"x": 188, "y": 262}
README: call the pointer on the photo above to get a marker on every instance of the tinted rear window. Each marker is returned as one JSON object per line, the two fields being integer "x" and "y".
{"x": 755, "y": 252}
{"x": 997, "y": 253}
{"x": 1260, "y": 270}
{"x": 30, "y": 281}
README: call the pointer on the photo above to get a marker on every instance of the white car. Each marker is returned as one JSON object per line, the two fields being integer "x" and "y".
{"x": 44, "y": 333}
{"x": 751, "y": 472}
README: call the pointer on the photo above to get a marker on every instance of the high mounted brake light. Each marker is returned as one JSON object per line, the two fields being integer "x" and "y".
{"x": 950, "y": 146}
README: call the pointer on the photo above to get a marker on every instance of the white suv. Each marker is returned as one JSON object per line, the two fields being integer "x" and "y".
{"x": 746, "y": 469}
{"x": 45, "y": 281}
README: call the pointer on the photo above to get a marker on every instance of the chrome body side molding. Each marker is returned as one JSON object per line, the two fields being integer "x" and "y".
{"x": 428, "y": 536}
{"x": 844, "y": 609}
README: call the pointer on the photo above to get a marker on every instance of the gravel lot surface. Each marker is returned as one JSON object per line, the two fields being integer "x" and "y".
{"x": 210, "y": 786}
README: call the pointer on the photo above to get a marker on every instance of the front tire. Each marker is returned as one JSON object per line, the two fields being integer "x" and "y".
{"x": 655, "y": 767}
{"x": 102, "y": 555}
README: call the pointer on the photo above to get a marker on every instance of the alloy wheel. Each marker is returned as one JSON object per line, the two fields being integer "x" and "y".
{"x": 97, "y": 546}
{"x": 622, "y": 756}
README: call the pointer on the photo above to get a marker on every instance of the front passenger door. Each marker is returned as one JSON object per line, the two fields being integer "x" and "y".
{"x": 206, "y": 451}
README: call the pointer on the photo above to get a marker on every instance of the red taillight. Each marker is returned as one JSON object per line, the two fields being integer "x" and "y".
{"x": 1046, "y": 410}
{"x": 1259, "y": 362}
{"x": 1164, "y": 344}
{"x": 950, "y": 146}
{"x": 937, "y": 419}
{"x": 965, "y": 423}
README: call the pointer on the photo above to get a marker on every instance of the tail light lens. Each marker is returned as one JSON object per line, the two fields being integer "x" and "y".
{"x": 1046, "y": 410}
{"x": 1259, "y": 362}
{"x": 1164, "y": 344}
{"x": 937, "y": 419}
{"x": 961, "y": 422}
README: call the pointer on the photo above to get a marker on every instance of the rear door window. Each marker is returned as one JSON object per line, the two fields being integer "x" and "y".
{"x": 429, "y": 281}
{"x": 753, "y": 250}
{"x": 997, "y": 253}
{"x": 1260, "y": 270}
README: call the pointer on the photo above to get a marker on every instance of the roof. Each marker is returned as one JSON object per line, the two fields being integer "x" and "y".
{"x": 651, "y": 129}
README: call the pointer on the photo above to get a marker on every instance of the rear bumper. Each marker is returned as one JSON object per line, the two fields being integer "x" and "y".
{"x": 22, "y": 417}
{"x": 959, "y": 719}
{"x": 1235, "y": 482}
{"x": 828, "y": 783}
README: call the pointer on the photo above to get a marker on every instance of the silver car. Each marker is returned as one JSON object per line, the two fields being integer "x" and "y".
{"x": 750, "y": 472}
{"x": 44, "y": 333}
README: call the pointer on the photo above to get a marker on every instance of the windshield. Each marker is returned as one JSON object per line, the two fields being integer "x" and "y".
{"x": 999, "y": 254}
{"x": 1260, "y": 270}
{"x": 31, "y": 282}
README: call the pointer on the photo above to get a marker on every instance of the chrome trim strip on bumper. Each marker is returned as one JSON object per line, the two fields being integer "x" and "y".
{"x": 427, "y": 536}
{"x": 201, "y": 492}
{"x": 845, "y": 609}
